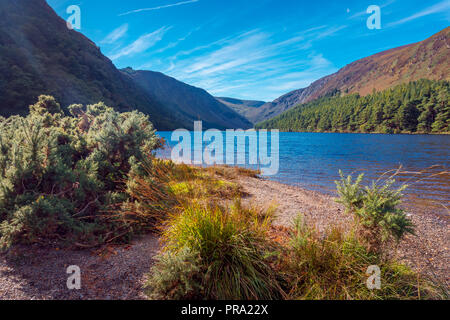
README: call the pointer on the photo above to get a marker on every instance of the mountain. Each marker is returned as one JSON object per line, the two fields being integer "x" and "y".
{"x": 421, "y": 106}
{"x": 244, "y": 107}
{"x": 40, "y": 55}
{"x": 428, "y": 59}
{"x": 187, "y": 102}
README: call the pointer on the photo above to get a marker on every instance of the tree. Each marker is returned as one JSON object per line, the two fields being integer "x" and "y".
{"x": 408, "y": 117}
{"x": 420, "y": 106}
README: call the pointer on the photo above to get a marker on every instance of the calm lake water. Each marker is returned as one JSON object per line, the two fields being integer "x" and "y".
{"x": 313, "y": 160}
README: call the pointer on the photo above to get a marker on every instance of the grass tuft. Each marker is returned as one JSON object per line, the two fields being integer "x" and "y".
{"x": 233, "y": 247}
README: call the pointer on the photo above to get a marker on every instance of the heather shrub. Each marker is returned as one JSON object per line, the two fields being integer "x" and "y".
{"x": 59, "y": 174}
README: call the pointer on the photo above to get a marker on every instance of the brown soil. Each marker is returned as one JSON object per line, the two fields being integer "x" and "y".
{"x": 115, "y": 272}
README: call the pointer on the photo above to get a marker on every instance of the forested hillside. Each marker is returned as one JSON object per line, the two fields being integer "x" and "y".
{"x": 427, "y": 59}
{"x": 417, "y": 107}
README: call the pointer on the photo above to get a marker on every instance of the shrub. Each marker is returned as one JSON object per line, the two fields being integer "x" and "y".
{"x": 333, "y": 266}
{"x": 176, "y": 276}
{"x": 59, "y": 174}
{"x": 376, "y": 209}
{"x": 232, "y": 245}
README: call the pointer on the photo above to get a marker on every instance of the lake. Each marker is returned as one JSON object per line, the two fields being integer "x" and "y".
{"x": 313, "y": 160}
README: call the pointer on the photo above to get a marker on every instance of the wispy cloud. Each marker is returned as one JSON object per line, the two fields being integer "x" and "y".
{"x": 177, "y": 42}
{"x": 115, "y": 34}
{"x": 364, "y": 13}
{"x": 270, "y": 64}
{"x": 329, "y": 32}
{"x": 443, "y": 6}
{"x": 159, "y": 7}
{"x": 143, "y": 43}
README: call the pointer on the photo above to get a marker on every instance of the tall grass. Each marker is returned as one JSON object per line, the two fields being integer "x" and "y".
{"x": 333, "y": 267}
{"x": 217, "y": 250}
{"x": 233, "y": 248}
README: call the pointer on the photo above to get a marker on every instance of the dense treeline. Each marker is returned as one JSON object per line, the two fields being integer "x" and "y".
{"x": 416, "y": 107}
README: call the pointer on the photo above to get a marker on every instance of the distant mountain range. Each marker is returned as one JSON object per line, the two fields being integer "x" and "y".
{"x": 187, "y": 102}
{"x": 428, "y": 59}
{"x": 245, "y": 108}
{"x": 40, "y": 55}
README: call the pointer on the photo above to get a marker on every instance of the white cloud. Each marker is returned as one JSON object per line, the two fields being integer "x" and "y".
{"x": 116, "y": 34}
{"x": 364, "y": 12}
{"x": 177, "y": 42}
{"x": 141, "y": 44}
{"x": 443, "y": 6}
{"x": 253, "y": 63}
{"x": 329, "y": 32}
{"x": 159, "y": 7}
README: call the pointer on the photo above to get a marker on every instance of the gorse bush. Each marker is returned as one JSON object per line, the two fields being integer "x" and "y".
{"x": 59, "y": 173}
{"x": 376, "y": 209}
{"x": 176, "y": 276}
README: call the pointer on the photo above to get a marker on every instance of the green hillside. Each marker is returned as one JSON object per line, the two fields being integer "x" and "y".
{"x": 417, "y": 107}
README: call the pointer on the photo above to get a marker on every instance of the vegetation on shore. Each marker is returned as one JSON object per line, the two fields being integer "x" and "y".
{"x": 215, "y": 249}
{"x": 90, "y": 179}
{"x": 417, "y": 107}
{"x": 61, "y": 175}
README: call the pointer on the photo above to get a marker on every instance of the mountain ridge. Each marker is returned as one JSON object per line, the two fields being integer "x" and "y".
{"x": 427, "y": 59}
{"x": 243, "y": 107}
{"x": 180, "y": 99}
{"x": 40, "y": 55}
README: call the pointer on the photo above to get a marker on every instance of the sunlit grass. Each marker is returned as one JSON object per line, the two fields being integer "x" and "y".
{"x": 333, "y": 267}
{"x": 233, "y": 248}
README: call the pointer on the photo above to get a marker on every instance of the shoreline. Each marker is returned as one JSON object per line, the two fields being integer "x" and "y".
{"x": 119, "y": 271}
{"x": 426, "y": 252}
{"x": 375, "y": 133}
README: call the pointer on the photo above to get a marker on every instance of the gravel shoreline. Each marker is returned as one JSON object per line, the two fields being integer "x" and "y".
{"x": 118, "y": 272}
{"x": 426, "y": 252}
{"x": 110, "y": 273}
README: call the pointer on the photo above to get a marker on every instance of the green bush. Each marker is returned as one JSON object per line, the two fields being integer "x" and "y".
{"x": 176, "y": 276}
{"x": 59, "y": 174}
{"x": 376, "y": 208}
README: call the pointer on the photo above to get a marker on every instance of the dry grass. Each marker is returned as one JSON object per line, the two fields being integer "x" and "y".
{"x": 232, "y": 173}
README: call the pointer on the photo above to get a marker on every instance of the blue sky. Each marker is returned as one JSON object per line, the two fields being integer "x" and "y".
{"x": 250, "y": 49}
